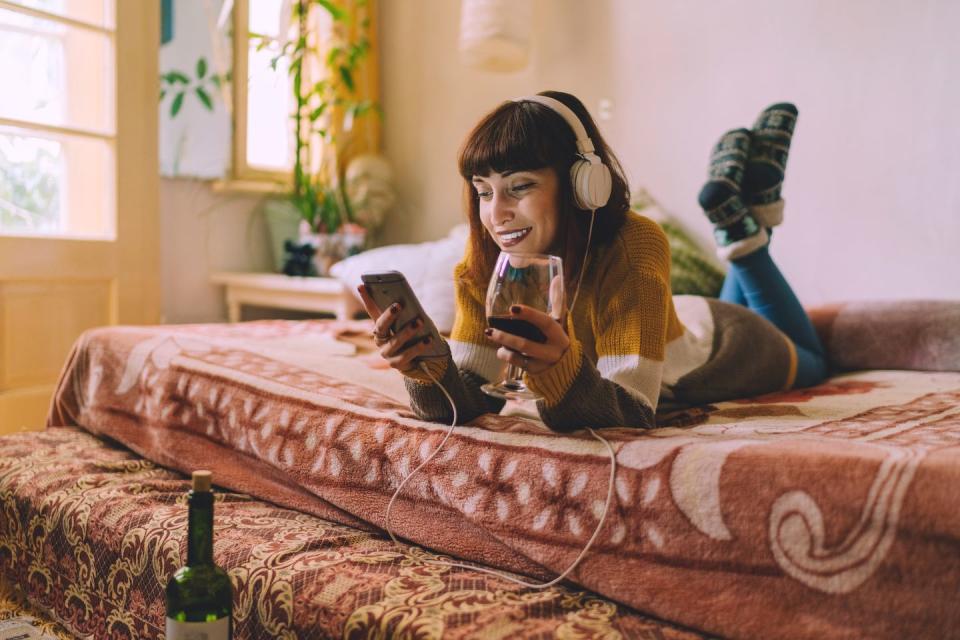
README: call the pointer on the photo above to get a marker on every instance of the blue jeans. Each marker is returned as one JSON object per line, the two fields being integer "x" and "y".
{"x": 755, "y": 282}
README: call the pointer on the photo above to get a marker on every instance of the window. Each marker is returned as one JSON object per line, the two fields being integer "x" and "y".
{"x": 263, "y": 103}
{"x": 57, "y": 118}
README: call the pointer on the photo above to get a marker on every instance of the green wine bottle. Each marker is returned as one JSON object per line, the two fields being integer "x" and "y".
{"x": 199, "y": 595}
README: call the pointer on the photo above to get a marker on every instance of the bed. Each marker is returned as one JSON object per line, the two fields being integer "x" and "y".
{"x": 824, "y": 512}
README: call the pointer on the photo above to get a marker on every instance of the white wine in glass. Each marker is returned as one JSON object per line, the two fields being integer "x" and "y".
{"x": 531, "y": 279}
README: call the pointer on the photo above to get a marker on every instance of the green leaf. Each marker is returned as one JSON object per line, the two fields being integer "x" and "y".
{"x": 316, "y": 113}
{"x": 177, "y": 103}
{"x": 335, "y": 12}
{"x": 178, "y": 76}
{"x": 362, "y": 107}
{"x": 358, "y": 50}
{"x": 201, "y": 67}
{"x": 163, "y": 92}
{"x": 347, "y": 76}
{"x": 204, "y": 98}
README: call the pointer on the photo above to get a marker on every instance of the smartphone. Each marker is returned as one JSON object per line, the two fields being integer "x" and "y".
{"x": 387, "y": 287}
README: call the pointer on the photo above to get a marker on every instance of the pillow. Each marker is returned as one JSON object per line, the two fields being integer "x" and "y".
{"x": 919, "y": 335}
{"x": 428, "y": 267}
{"x": 693, "y": 270}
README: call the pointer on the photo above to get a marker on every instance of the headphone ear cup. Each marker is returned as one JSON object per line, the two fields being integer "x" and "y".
{"x": 592, "y": 184}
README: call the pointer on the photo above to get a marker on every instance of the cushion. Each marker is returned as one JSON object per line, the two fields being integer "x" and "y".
{"x": 920, "y": 335}
{"x": 693, "y": 269}
{"x": 428, "y": 267}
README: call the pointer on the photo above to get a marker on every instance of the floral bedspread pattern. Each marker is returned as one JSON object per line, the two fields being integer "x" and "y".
{"x": 92, "y": 532}
{"x": 15, "y": 608}
{"x": 828, "y": 503}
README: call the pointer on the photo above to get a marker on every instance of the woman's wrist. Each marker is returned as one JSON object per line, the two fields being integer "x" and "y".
{"x": 436, "y": 366}
{"x": 553, "y": 383}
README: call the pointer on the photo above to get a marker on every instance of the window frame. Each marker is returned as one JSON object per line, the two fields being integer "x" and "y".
{"x": 244, "y": 177}
{"x": 107, "y": 135}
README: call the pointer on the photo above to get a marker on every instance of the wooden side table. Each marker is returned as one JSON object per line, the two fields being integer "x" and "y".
{"x": 279, "y": 291}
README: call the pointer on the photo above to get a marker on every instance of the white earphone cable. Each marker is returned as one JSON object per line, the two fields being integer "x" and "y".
{"x": 453, "y": 424}
{"x": 586, "y": 254}
{"x": 500, "y": 574}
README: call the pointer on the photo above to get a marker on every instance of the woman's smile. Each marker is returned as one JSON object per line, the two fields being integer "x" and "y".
{"x": 513, "y": 237}
{"x": 520, "y": 209}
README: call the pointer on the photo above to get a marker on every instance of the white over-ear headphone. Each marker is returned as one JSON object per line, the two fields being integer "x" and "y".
{"x": 590, "y": 177}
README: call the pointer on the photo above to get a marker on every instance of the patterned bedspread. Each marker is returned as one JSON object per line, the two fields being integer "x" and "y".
{"x": 827, "y": 512}
{"x": 92, "y": 532}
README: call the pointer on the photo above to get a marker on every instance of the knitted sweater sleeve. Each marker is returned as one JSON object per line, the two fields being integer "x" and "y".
{"x": 633, "y": 307}
{"x": 473, "y": 362}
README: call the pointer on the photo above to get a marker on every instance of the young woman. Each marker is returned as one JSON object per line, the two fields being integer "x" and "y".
{"x": 627, "y": 344}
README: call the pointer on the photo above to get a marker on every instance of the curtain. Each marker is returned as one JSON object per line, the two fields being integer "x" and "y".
{"x": 362, "y": 136}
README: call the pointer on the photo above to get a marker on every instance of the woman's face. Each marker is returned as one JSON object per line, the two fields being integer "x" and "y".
{"x": 520, "y": 210}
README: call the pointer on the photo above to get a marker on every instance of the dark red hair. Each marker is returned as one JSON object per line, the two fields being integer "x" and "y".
{"x": 526, "y": 136}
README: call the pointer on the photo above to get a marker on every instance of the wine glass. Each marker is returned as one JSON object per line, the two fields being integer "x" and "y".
{"x": 531, "y": 279}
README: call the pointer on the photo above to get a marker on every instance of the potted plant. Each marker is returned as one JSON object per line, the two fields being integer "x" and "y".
{"x": 326, "y": 109}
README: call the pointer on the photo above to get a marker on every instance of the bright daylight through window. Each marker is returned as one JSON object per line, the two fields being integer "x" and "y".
{"x": 268, "y": 90}
{"x": 263, "y": 95}
{"x": 57, "y": 121}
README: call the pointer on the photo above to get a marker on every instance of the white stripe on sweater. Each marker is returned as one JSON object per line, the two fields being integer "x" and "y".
{"x": 480, "y": 360}
{"x": 692, "y": 349}
{"x": 637, "y": 375}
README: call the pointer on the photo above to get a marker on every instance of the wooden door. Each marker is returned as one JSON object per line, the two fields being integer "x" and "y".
{"x": 79, "y": 186}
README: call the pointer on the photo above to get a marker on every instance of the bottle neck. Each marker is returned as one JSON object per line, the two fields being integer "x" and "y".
{"x": 200, "y": 529}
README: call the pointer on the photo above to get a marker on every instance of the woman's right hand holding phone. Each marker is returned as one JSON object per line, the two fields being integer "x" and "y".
{"x": 391, "y": 345}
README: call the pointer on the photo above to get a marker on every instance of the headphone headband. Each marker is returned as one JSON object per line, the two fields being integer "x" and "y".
{"x": 584, "y": 143}
{"x": 590, "y": 177}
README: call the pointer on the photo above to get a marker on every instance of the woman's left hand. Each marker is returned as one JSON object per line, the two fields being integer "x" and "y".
{"x": 529, "y": 355}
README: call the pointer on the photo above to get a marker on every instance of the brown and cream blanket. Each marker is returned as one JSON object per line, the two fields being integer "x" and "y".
{"x": 90, "y": 533}
{"x": 826, "y": 512}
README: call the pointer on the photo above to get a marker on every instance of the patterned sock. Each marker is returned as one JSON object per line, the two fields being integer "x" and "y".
{"x": 763, "y": 177}
{"x": 735, "y": 229}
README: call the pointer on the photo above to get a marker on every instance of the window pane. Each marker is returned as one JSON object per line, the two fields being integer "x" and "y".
{"x": 55, "y": 185}
{"x": 62, "y": 74}
{"x": 95, "y": 12}
{"x": 31, "y": 172}
{"x": 269, "y": 105}
{"x": 266, "y": 17}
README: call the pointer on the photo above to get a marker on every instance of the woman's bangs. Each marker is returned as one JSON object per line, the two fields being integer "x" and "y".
{"x": 509, "y": 139}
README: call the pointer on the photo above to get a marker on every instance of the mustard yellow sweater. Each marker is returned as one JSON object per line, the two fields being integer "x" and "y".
{"x": 628, "y": 346}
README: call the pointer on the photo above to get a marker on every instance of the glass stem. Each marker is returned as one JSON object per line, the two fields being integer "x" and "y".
{"x": 514, "y": 377}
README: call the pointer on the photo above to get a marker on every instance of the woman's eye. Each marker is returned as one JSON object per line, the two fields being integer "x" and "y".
{"x": 484, "y": 195}
{"x": 523, "y": 187}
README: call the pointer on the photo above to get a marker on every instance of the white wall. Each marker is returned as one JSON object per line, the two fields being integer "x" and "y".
{"x": 873, "y": 204}
{"x": 202, "y": 232}
{"x": 431, "y": 101}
